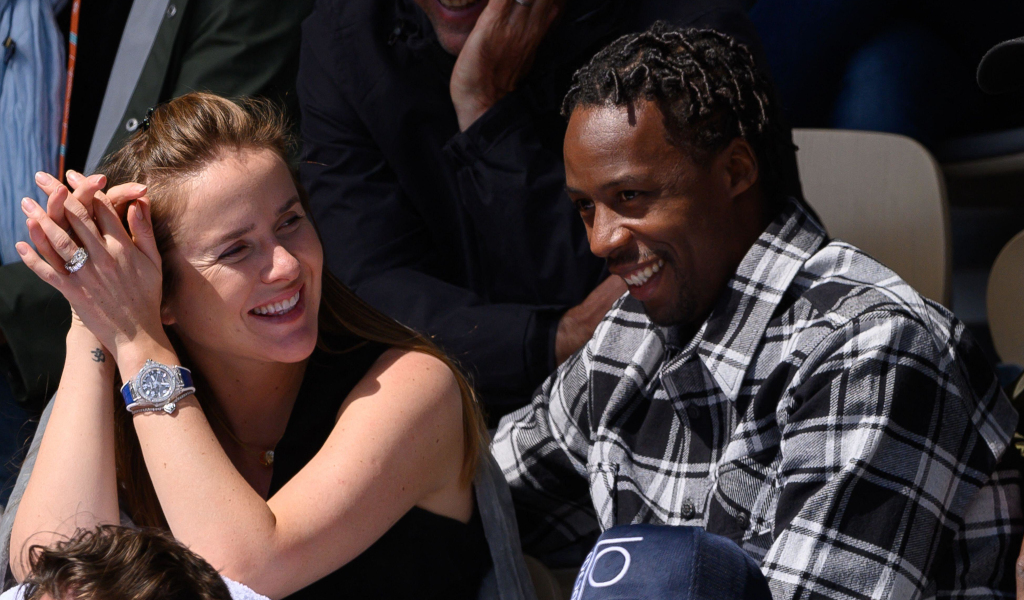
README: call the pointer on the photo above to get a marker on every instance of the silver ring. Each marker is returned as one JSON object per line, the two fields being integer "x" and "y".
{"x": 77, "y": 260}
{"x": 523, "y": 3}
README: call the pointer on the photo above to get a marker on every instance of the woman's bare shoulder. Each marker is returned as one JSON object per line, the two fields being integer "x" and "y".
{"x": 408, "y": 404}
{"x": 413, "y": 379}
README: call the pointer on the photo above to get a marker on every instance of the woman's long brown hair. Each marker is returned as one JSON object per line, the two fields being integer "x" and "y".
{"x": 179, "y": 140}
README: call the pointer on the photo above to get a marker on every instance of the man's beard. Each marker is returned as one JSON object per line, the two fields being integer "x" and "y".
{"x": 679, "y": 310}
{"x": 681, "y": 306}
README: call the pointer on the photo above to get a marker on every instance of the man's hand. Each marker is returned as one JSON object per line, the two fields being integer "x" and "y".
{"x": 498, "y": 53}
{"x": 579, "y": 322}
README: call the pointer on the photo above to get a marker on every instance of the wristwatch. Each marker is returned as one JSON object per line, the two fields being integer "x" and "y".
{"x": 157, "y": 387}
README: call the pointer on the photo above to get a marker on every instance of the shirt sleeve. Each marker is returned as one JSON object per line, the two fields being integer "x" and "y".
{"x": 542, "y": 450}
{"x": 891, "y": 482}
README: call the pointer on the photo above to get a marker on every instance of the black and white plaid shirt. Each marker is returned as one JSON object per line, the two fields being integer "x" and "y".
{"x": 844, "y": 431}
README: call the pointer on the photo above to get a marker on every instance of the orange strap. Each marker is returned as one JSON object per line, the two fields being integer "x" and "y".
{"x": 72, "y": 54}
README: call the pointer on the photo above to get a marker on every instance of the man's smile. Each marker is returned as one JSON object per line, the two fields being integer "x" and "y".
{"x": 639, "y": 275}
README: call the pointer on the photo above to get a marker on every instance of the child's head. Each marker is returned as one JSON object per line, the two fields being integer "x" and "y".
{"x": 119, "y": 563}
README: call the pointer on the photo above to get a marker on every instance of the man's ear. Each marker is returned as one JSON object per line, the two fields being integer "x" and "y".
{"x": 740, "y": 165}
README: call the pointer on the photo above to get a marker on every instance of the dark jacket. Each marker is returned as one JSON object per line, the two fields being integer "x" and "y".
{"x": 468, "y": 236}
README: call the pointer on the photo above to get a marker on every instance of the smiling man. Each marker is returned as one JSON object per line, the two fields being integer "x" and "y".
{"x": 758, "y": 380}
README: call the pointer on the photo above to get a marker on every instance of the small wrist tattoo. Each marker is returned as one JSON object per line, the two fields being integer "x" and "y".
{"x": 98, "y": 355}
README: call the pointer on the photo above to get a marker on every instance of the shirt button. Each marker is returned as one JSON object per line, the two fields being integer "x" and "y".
{"x": 742, "y": 521}
{"x": 131, "y": 124}
{"x": 171, "y": 11}
{"x": 688, "y": 510}
{"x": 693, "y": 412}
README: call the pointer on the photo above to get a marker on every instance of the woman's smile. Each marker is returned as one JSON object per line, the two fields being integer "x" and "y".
{"x": 282, "y": 311}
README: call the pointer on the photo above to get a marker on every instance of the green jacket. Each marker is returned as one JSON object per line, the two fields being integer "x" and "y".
{"x": 227, "y": 47}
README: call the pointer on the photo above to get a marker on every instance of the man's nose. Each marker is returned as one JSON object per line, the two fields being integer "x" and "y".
{"x": 607, "y": 233}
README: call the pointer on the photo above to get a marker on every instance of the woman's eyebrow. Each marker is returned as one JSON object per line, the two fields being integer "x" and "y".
{"x": 239, "y": 232}
{"x": 288, "y": 204}
{"x": 236, "y": 233}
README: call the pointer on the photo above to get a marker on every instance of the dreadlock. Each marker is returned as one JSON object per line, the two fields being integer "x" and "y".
{"x": 709, "y": 90}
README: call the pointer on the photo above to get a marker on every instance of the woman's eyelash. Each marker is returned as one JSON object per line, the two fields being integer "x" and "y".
{"x": 232, "y": 251}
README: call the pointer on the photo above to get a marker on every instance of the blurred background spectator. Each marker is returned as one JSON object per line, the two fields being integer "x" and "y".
{"x": 32, "y": 71}
{"x": 31, "y": 103}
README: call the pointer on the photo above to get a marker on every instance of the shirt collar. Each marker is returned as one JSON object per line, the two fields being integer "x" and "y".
{"x": 727, "y": 341}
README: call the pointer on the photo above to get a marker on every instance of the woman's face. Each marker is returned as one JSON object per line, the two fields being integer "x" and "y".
{"x": 246, "y": 263}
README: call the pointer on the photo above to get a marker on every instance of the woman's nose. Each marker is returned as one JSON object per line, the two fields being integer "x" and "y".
{"x": 283, "y": 266}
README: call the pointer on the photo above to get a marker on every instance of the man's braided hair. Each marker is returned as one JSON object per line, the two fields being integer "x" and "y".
{"x": 709, "y": 89}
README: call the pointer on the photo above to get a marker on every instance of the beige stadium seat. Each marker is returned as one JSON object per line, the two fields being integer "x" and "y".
{"x": 984, "y": 169}
{"x": 544, "y": 581}
{"x": 566, "y": 578}
{"x": 885, "y": 194}
{"x": 1006, "y": 301}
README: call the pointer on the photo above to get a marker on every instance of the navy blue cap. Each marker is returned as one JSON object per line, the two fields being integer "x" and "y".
{"x": 660, "y": 562}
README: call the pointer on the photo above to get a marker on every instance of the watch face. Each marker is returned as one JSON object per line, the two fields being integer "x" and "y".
{"x": 156, "y": 383}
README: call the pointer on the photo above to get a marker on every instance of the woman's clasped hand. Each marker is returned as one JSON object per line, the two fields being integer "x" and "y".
{"x": 116, "y": 291}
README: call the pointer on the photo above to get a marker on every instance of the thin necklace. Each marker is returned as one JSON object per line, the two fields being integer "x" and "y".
{"x": 266, "y": 457}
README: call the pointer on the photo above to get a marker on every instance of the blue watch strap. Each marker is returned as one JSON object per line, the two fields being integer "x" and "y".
{"x": 126, "y": 392}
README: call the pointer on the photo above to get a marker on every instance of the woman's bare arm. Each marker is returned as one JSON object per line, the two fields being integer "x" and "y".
{"x": 397, "y": 442}
{"x": 73, "y": 483}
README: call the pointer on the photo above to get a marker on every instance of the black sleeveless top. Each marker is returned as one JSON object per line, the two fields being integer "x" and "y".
{"x": 423, "y": 555}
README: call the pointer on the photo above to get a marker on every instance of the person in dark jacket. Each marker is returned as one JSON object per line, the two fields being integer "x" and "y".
{"x": 432, "y": 152}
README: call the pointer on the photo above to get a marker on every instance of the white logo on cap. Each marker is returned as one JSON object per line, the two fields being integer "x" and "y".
{"x": 586, "y": 575}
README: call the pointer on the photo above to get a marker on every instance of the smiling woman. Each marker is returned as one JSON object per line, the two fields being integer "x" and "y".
{"x": 277, "y": 425}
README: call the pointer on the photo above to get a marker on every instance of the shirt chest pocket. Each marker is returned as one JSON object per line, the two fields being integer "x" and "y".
{"x": 745, "y": 496}
{"x": 625, "y": 494}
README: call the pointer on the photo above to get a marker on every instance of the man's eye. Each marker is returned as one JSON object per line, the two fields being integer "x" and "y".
{"x": 629, "y": 194}
{"x": 583, "y": 205}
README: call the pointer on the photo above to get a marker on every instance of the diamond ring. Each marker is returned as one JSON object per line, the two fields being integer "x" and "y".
{"x": 77, "y": 260}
